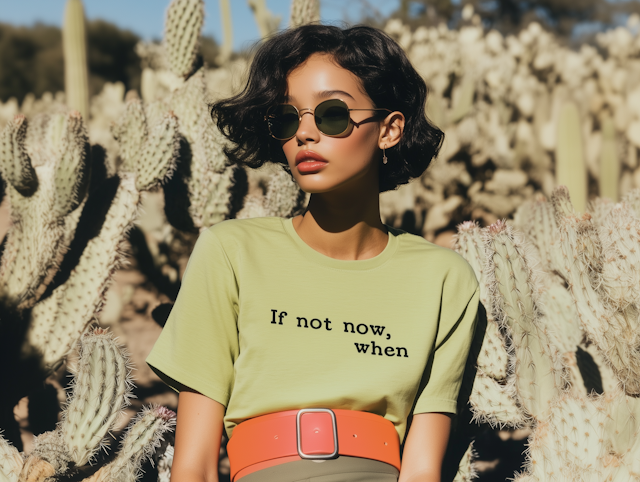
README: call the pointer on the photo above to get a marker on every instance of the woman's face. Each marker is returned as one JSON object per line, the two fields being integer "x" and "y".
{"x": 321, "y": 163}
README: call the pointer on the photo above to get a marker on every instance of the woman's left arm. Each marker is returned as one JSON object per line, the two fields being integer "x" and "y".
{"x": 425, "y": 447}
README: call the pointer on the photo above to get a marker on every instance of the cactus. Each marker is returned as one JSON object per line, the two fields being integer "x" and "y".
{"x": 464, "y": 103}
{"x": 227, "y": 27}
{"x": 610, "y": 329}
{"x": 140, "y": 441}
{"x": 63, "y": 315}
{"x": 303, "y": 12}
{"x": 182, "y": 32}
{"x": 42, "y": 199}
{"x": 283, "y": 198}
{"x": 571, "y": 170}
{"x": 267, "y": 22}
{"x": 10, "y": 462}
{"x": 101, "y": 389}
{"x": 76, "y": 71}
{"x": 609, "y": 162}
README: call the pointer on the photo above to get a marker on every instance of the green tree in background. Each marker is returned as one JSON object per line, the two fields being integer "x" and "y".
{"x": 508, "y": 16}
{"x": 31, "y": 59}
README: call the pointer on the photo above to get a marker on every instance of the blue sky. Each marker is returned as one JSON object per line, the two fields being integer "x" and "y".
{"x": 146, "y": 17}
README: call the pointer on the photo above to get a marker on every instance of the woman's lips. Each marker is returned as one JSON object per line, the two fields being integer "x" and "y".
{"x": 309, "y": 162}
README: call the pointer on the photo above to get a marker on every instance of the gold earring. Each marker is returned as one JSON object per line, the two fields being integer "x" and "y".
{"x": 384, "y": 156}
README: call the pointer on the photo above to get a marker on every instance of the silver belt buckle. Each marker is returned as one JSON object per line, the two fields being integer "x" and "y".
{"x": 335, "y": 434}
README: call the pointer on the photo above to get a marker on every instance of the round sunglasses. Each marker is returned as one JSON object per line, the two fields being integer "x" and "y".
{"x": 331, "y": 117}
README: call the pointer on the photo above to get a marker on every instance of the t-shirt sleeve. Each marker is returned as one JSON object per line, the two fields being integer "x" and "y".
{"x": 199, "y": 342}
{"x": 445, "y": 368}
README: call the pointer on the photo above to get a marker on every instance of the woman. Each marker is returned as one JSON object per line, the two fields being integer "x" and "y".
{"x": 331, "y": 310}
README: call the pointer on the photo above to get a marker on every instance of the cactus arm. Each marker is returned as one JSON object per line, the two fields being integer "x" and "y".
{"x": 537, "y": 371}
{"x": 58, "y": 320}
{"x": 10, "y": 462}
{"x": 41, "y": 222}
{"x": 464, "y": 102}
{"x": 491, "y": 403}
{"x": 15, "y": 163}
{"x": 76, "y": 73}
{"x": 608, "y": 329}
{"x": 71, "y": 179}
{"x": 284, "y": 196}
{"x": 609, "y": 162}
{"x": 571, "y": 170}
{"x": 303, "y": 12}
{"x": 267, "y": 23}
{"x": 493, "y": 358}
{"x": 218, "y": 204}
{"x": 227, "y": 28}
{"x": 466, "y": 470}
{"x": 182, "y": 31}
{"x": 101, "y": 390}
{"x": 140, "y": 441}
{"x": 158, "y": 158}
{"x": 131, "y": 133}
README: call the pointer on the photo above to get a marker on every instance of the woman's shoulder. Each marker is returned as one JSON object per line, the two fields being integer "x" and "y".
{"x": 424, "y": 254}
{"x": 253, "y": 226}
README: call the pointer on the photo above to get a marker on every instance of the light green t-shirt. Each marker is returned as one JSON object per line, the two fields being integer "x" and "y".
{"x": 264, "y": 323}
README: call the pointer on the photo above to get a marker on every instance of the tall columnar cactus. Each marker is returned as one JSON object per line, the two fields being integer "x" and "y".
{"x": 571, "y": 170}
{"x": 76, "y": 70}
{"x": 182, "y": 33}
{"x": 227, "y": 28}
{"x": 609, "y": 162}
{"x": 43, "y": 199}
{"x": 303, "y": 12}
{"x": 101, "y": 389}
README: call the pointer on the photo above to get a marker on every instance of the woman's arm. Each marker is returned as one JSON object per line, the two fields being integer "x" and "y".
{"x": 198, "y": 435}
{"x": 425, "y": 447}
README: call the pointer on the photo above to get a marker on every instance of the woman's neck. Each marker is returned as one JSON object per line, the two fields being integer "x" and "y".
{"x": 343, "y": 226}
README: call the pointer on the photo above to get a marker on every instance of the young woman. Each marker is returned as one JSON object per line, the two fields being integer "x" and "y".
{"x": 331, "y": 310}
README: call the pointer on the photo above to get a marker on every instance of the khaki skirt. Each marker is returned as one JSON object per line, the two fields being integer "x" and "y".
{"x": 341, "y": 469}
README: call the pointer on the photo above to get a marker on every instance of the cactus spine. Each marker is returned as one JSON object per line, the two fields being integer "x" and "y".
{"x": 571, "y": 170}
{"x": 609, "y": 162}
{"x": 76, "y": 73}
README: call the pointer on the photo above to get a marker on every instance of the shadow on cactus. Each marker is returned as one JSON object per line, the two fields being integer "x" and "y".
{"x": 100, "y": 391}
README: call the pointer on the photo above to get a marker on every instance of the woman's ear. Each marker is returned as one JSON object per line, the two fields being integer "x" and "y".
{"x": 391, "y": 130}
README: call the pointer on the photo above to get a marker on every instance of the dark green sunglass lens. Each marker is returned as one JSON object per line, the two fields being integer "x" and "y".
{"x": 283, "y": 121}
{"x": 332, "y": 117}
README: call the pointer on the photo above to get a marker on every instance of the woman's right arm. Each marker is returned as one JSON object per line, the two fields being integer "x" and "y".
{"x": 198, "y": 434}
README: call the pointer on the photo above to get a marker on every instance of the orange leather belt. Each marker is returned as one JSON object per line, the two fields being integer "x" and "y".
{"x": 314, "y": 433}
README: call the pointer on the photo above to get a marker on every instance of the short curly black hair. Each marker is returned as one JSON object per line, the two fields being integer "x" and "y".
{"x": 376, "y": 59}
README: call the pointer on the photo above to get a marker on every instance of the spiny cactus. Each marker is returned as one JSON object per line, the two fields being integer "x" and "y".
{"x": 612, "y": 329}
{"x": 59, "y": 319}
{"x": 10, "y": 462}
{"x": 140, "y": 441}
{"x": 283, "y": 198}
{"x": 42, "y": 199}
{"x": 303, "y": 12}
{"x": 227, "y": 28}
{"x": 76, "y": 70}
{"x": 101, "y": 389}
{"x": 182, "y": 33}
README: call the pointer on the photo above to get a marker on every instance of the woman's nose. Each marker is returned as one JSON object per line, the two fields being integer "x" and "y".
{"x": 307, "y": 130}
